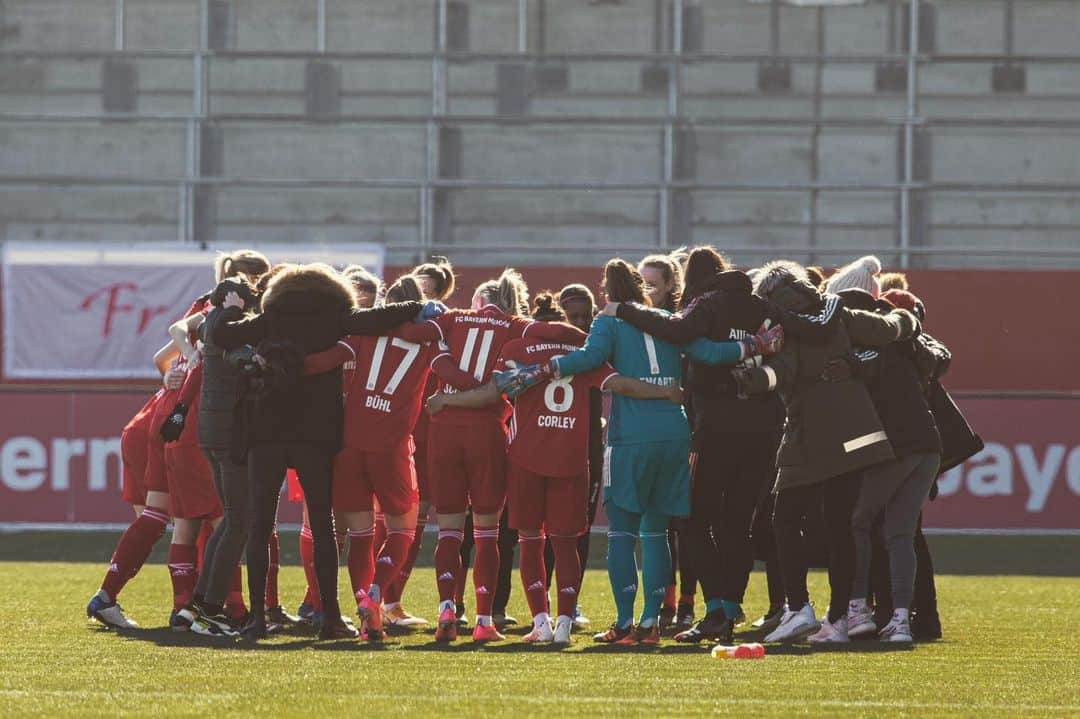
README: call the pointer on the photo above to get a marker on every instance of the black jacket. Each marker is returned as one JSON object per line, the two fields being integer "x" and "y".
{"x": 312, "y": 306}
{"x": 832, "y": 427}
{"x": 724, "y": 310}
{"x": 897, "y": 386}
{"x": 220, "y": 384}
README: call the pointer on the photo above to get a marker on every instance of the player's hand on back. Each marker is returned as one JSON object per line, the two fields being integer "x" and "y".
{"x": 174, "y": 376}
{"x": 436, "y": 403}
{"x": 675, "y": 393}
{"x": 232, "y": 299}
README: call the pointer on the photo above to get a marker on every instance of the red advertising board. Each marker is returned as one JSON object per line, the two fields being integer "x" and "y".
{"x": 60, "y": 462}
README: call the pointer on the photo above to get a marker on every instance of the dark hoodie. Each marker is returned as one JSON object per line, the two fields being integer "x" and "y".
{"x": 312, "y": 306}
{"x": 832, "y": 427}
{"x": 722, "y": 309}
{"x": 896, "y": 386}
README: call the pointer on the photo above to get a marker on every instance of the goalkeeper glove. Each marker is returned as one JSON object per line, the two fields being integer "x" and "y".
{"x": 513, "y": 382}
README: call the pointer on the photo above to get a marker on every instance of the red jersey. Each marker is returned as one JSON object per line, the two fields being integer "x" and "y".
{"x": 384, "y": 389}
{"x": 549, "y": 432}
{"x": 474, "y": 338}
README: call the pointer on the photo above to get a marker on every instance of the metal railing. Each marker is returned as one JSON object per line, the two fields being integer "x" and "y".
{"x": 675, "y": 118}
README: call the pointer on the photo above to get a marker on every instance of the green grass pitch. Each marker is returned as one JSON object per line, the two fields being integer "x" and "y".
{"x": 1010, "y": 650}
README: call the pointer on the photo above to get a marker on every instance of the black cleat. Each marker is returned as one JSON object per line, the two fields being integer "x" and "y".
{"x": 684, "y": 617}
{"x": 715, "y": 627}
{"x": 926, "y": 625}
{"x": 667, "y": 617}
{"x": 278, "y": 615}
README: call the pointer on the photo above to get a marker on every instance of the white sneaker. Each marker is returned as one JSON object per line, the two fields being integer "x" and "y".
{"x": 541, "y": 633}
{"x": 831, "y": 633}
{"x": 897, "y": 630}
{"x": 860, "y": 620}
{"x": 795, "y": 625}
{"x": 563, "y": 626}
{"x": 108, "y": 612}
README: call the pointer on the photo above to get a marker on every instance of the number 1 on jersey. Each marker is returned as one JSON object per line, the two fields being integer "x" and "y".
{"x": 481, "y": 356}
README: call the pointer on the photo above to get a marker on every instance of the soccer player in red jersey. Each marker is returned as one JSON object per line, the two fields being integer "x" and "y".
{"x": 133, "y": 454}
{"x": 385, "y": 380}
{"x": 437, "y": 282}
{"x": 467, "y": 447}
{"x": 149, "y": 526}
{"x": 548, "y": 461}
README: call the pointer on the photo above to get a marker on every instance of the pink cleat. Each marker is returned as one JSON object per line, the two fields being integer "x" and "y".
{"x": 486, "y": 633}
{"x": 370, "y": 613}
{"x": 446, "y": 631}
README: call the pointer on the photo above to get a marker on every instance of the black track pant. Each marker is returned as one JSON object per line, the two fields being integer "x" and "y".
{"x": 226, "y": 544}
{"x": 765, "y": 549}
{"x": 314, "y": 468}
{"x": 731, "y": 473}
{"x": 836, "y": 498}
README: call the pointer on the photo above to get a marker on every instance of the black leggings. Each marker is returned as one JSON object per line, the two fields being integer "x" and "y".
{"x": 731, "y": 475}
{"x": 226, "y": 544}
{"x": 314, "y": 468}
{"x": 835, "y": 497}
{"x": 764, "y": 542}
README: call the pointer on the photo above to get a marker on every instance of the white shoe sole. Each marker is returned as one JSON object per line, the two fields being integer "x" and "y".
{"x": 408, "y": 623}
{"x": 862, "y": 630}
{"x": 797, "y": 636}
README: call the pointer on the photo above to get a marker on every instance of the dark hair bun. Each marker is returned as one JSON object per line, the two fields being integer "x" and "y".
{"x": 232, "y": 284}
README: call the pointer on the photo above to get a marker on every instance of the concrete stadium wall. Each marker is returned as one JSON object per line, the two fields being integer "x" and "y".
{"x": 613, "y": 89}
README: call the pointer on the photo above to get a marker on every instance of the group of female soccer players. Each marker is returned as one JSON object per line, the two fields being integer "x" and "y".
{"x": 493, "y": 409}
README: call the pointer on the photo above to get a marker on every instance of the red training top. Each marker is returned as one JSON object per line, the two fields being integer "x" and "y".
{"x": 549, "y": 432}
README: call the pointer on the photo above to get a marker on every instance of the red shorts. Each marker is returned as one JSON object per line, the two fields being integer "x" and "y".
{"x": 133, "y": 456}
{"x": 467, "y": 466}
{"x": 420, "y": 460}
{"x": 191, "y": 484}
{"x": 390, "y": 476}
{"x": 558, "y": 504}
{"x": 155, "y": 480}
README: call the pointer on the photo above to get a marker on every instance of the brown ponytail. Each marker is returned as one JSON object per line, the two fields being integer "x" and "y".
{"x": 405, "y": 289}
{"x": 702, "y": 264}
{"x": 509, "y": 293}
{"x": 546, "y": 309}
{"x": 623, "y": 283}
{"x": 441, "y": 273}
{"x": 241, "y": 262}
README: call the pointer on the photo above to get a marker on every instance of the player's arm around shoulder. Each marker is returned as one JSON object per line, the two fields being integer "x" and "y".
{"x": 599, "y": 347}
{"x": 636, "y": 389}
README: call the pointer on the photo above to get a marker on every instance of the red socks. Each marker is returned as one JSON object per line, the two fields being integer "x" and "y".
{"x": 533, "y": 572}
{"x": 133, "y": 549}
{"x": 392, "y": 595}
{"x": 669, "y": 597}
{"x": 361, "y": 559}
{"x": 392, "y": 557}
{"x": 448, "y": 562}
{"x": 567, "y": 573}
{"x": 205, "y": 530}
{"x": 234, "y": 598}
{"x": 486, "y": 567}
{"x": 307, "y": 558}
{"x": 182, "y": 571}
{"x": 380, "y": 532}
{"x": 272, "y": 599}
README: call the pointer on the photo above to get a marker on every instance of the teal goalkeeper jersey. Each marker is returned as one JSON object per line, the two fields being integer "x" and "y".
{"x": 636, "y": 354}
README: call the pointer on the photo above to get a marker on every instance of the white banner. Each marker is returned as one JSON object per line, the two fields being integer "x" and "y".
{"x": 77, "y": 312}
